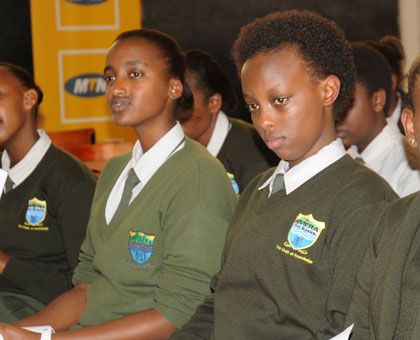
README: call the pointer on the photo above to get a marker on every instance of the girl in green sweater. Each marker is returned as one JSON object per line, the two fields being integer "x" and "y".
{"x": 159, "y": 214}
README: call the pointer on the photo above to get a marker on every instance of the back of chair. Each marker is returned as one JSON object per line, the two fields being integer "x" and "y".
{"x": 95, "y": 156}
{"x": 68, "y": 138}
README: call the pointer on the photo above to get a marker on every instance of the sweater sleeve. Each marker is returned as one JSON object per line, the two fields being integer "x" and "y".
{"x": 200, "y": 326}
{"x": 45, "y": 280}
{"x": 346, "y": 256}
{"x": 194, "y": 238}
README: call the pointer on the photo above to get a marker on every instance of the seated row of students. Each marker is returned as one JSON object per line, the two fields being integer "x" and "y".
{"x": 159, "y": 214}
{"x": 385, "y": 301}
{"x": 370, "y": 136}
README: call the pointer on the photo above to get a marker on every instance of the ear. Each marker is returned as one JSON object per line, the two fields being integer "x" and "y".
{"x": 331, "y": 86}
{"x": 379, "y": 100}
{"x": 215, "y": 103}
{"x": 175, "y": 88}
{"x": 407, "y": 119}
{"x": 30, "y": 98}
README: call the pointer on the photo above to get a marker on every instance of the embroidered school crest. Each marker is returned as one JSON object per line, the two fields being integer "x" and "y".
{"x": 141, "y": 246}
{"x": 37, "y": 210}
{"x": 235, "y": 185}
{"x": 304, "y": 232}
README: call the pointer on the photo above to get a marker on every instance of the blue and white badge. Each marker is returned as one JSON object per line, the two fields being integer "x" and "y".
{"x": 37, "y": 211}
{"x": 304, "y": 232}
{"x": 141, "y": 246}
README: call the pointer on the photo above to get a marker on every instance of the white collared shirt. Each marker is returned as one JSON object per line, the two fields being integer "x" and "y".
{"x": 20, "y": 171}
{"x": 386, "y": 156}
{"x": 220, "y": 132}
{"x": 145, "y": 165}
{"x": 308, "y": 168}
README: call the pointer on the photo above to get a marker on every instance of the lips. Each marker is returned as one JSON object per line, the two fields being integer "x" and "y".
{"x": 273, "y": 142}
{"x": 119, "y": 104}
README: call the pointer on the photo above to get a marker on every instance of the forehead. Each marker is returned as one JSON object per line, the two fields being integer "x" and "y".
{"x": 274, "y": 68}
{"x": 133, "y": 49}
{"x": 8, "y": 78}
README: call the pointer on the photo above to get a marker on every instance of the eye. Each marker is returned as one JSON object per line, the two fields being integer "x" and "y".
{"x": 109, "y": 79}
{"x": 280, "y": 100}
{"x": 252, "y": 107}
{"x": 135, "y": 74}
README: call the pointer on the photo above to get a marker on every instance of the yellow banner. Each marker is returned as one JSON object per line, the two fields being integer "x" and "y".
{"x": 70, "y": 39}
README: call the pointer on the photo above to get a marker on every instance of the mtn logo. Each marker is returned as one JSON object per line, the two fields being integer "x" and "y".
{"x": 86, "y": 85}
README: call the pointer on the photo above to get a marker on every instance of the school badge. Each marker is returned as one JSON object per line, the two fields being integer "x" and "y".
{"x": 37, "y": 210}
{"x": 141, "y": 246}
{"x": 235, "y": 185}
{"x": 304, "y": 233}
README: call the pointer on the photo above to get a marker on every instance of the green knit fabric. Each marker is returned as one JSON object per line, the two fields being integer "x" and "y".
{"x": 244, "y": 153}
{"x": 386, "y": 298}
{"x": 180, "y": 216}
{"x": 44, "y": 255}
{"x": 268, "y": 289}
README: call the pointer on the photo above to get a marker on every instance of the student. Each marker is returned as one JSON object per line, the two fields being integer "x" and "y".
{"x": 44, "y": 205}
{"x": 299, "y": 232}
{"x": 366, "y": 131}
{"x": 386, "y": 298}
{"x": 392, "y": 49}
{"x": 234, "y": 142}
{"x": 144, "y": 269}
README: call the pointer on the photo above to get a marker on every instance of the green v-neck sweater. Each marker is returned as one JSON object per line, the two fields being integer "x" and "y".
{"x": 386, "y": 298}
{"x": 43, "y": 255}
{"x": 163, "y": 250}
{"x": 290, "y": 261}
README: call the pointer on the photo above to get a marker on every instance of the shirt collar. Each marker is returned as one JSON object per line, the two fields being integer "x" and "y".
{"x": 220, "y": 132}
{"x": 27, "y": 164}
{"x": 308, "y": 168}
{"x": 146, "y": 164}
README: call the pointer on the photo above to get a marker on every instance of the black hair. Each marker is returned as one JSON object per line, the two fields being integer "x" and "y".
{"x": 413, "y": 81}
{"x": 26, "y": 80}
{"x": 320, "y": 43}
{"x": 393, "y": 50}
{"x": 372, "y": 70}
{"x": 171, "y": 54}
{"x": 209, "y": 77}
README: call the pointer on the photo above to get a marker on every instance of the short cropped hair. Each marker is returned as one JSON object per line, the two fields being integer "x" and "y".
{"x": 413, "y": 80}
{"x": 320, "y": 43}
{"x": 372, "y": 70}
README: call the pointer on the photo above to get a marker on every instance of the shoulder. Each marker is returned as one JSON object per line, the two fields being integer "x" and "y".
{"x": 196, "y": 157}
{"x": 65, "y": 165}
{"x": 244, "y": 129}
{"x": 353, "y": 189}
{"x": 351, "y": 176}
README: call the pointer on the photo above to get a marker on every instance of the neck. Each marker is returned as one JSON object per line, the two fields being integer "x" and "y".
{"x": 18, "y": 148}
{"x": 204, "y": 139}
{"x": 149, "y": 136}
{"x": 362, "y": 145}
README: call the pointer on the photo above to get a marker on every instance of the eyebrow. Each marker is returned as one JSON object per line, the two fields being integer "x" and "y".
{"x": 128, "y": 63}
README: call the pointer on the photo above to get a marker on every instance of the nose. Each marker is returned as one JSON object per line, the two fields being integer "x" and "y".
{"x": 118, "y": 87}
{"x": 264, "y": 118}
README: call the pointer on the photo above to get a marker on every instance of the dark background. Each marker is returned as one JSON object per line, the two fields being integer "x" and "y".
{"x": 212, "y": 25}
